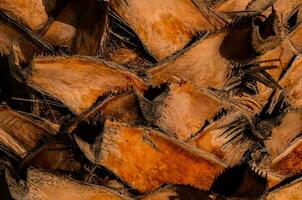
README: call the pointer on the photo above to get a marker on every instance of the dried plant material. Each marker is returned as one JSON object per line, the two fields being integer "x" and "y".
{"x": 207, "y": 62}
{"x": 156, "y": 158}
{"x": 163, "y": 194}
{"x": 292, "y": 83}
{"x": 21, "y": 134}
{"x": 273, "y": 179}
{"x": 286, "y": 9}
{"x": 166, "y": 27}
{"x": 232, "y": 5}
{"x": 124, "y": 48}
{"x": 80, "y": 27}
{"x": 193, "y": 99}
{"x": 281, "y": 57}
{"x": 54, "y": 157}
{"x": 11, "y": 33}
{"x": 284, "y": 133}
{"x": 31, "y": 13}
{"x": 281, "y": 20}
{"x": 296, "y": 39}
{"x": 122, "y": 56}
{"x": 242, "y": 7}
{"x": 79, "y": 81}
{"x": 122, "y": 108}
{"x": 181, "y": 111}
{"x": 283, "y": 148}
{"x": 218, "y": 73}
{"x": 290, "y": 191}
{"x": 46, "y": 186}
{"x": 178, "y": 192}
{"x": 259, "y": 5}
{"x": 17, "y": 189}
{"x": 226, "y": 138}
{"x": 289, "y": 162}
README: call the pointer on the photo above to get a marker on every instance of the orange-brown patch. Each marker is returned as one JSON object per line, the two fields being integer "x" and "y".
{"x": 79, "y": 81}
{"x": 156, "y": 158}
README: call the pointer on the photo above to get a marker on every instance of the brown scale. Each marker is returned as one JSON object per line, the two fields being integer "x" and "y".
{"x": 20, "y": 134}
{"x": 292, "y": 83}
{"x": 54, "y": 156}
{"x": 44, "y": 185}
{"x": 226, "y": 138}
{"x": 156, "y": 158}
{"x": 166, "y": 27}
{"x": 289, "y": 191}
{"x": 242, "y": 7}
{"x": 79, "y": 81}
{"x": 122, "y": 108}
{"x": 14, "y": 37}
{"x": 178, "y": 192}
{"x": 80, "y": 27}
{"x": 284, "y": 146}
{"x": 280, "y": 20}
{"x": 181, "y": 110}
{"x": 32, "y": 13}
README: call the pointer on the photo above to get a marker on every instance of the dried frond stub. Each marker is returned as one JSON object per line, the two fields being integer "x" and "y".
{"x": 283, "y": 149}
{"x": 288, "y": 191}
{"x": 227, "y": 138}
{"x": 122, "y": 108}
{"x": 178, "y": 192}
{"x": 80, "y": 27}
{"x": 79, "y": 81}
{"x": 166, "y": 27}
{"x": 21, "y": 134}
{"x": 242, "y": 7}
{"x": 12, "y": 32}
{"x": 31, "y": 13}
{"x": 208, "y": 62}
{"x": 54, "y": 156}
{"x": 43, "y": 185}
{"x": 281, "y": 19}
{"x": 181, "y": 111}
{"x": 292, "y": 83}
{"x": 157, "y": 158}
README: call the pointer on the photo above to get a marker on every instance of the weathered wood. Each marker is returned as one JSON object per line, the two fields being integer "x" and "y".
{"x": 46, "y": 186}
{"x": 156, "y": 158}
{"x": 79, "y": 81}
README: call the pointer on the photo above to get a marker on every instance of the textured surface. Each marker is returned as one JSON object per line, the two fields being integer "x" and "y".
{"x": 79, "y": 81}
{"x": 20, "y": 134}
{"x": 291, "y": 191}
{"x": 45, "y": 186}
{"x": 164, "y": 26}
{"x": 30, "y": 12}
{"x": 207, "y": 62}
{"x": 156, "y": 158}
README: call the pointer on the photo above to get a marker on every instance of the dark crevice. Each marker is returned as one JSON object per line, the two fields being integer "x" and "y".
{"x": 154, "y": 92}
{"x": 4, "y": 190}
{"x": 128, "y": 36}
{"x": 89, "y": 130}
{"x": 266, "y": 28}
{"x": 292, "y": 21}
{"x": 287, "y": 181}
{"x": 229, "y": 181}
{"x": 287, "y": 68}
